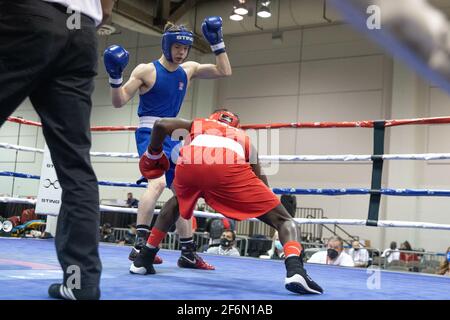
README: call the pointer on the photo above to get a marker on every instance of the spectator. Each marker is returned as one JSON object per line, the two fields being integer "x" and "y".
{"x": 130, "y": 236}
{"x": 215, "y": 227}
{"x": 359, "y": 255}
{"x": 107, "y": 234}
{"x": 391, "y": 253}
{"x": 131, "y": 202}
{"x": 334, "y": 255}
{"x": 407, "y": 257}
{"x": 226, "y": 247}
{"x": 444, "y": 269}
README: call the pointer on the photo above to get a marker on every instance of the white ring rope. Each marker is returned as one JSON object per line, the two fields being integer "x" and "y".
{"x": 275, "y": 158}
{"x": 202, "y": 214}
{"x": 20, "y": 148}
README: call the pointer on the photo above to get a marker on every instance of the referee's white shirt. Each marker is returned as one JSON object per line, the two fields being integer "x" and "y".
{"x": 342, "y": 260}
{"x": 91, "y": 8}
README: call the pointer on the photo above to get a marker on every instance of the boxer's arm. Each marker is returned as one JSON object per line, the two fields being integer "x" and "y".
{"x": 256, "y": 167}
{"x": 107, "y": 6}
{"x": 222, "y": 68}
{"x": 120, "y": 96}
{"x": 165, "y": 127}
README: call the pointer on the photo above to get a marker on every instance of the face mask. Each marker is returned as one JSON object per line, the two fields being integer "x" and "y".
{"x": 224, "y": 242}
{"x": 332, "y": 254}
{"x": 278, "y": 245}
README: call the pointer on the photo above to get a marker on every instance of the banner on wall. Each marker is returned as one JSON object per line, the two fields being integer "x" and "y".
{"x": 49, "y": 195}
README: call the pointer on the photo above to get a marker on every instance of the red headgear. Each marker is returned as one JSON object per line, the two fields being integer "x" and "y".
{"x": 226, "y": 117}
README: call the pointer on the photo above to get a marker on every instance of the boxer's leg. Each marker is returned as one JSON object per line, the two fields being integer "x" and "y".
{"x": 143, "y": 264}
{"x": 146, "y": 209}
{"x": 297, "y": 280}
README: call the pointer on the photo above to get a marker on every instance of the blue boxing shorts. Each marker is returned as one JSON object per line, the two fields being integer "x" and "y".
{"x": 170, "y": 147}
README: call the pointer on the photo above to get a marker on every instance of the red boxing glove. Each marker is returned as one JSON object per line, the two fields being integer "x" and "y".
{"x": 153, "y": 164}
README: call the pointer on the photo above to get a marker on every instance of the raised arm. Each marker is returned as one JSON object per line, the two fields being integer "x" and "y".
{"x": 212, "y": 31}
{"x": 221, "y": 69}
{"x": 121, "y": 95}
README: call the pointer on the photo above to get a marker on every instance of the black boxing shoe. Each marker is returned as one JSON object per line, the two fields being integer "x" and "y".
{"x": 59, "y": 291}
{"x": 143, "y": 264}
{"x": 297, "y": 280}
{"x": 135, "y": 252}
{"x": 142, "y": 235}
{"x": 141, "y": 240}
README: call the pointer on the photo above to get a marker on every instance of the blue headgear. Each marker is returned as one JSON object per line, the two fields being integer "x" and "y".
{"x": 182, "y": 36}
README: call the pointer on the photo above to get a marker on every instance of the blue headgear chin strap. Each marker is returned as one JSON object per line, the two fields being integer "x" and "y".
{"x": 183, "y": 37}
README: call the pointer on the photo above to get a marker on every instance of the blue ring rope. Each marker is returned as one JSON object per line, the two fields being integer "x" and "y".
{"x": 324, "y": 192}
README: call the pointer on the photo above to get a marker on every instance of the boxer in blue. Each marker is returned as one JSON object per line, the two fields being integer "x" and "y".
{"x": 162, "y": 86}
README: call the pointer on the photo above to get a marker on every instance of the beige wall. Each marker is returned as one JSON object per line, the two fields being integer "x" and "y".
{"x": 317, "y": 74}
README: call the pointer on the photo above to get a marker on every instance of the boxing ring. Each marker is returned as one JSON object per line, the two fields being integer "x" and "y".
{"x": 31, "y": 273}
{"x": 29, "y": 266}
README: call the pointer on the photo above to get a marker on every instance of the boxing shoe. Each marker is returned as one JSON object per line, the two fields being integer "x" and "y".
{"x": 297, "y": 280}
{"x": 141, "y": 240}
{"x": 134, "y": 253}
{"x": 143, "y": 264}
{"x": 192, "y": 260}
{"x": 59, "y": 291}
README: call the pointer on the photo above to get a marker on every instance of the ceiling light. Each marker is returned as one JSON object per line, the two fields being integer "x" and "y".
{"x": 236, "y": 17}
{"x": 241, "y": 8}
{"x": 264, "y": 12}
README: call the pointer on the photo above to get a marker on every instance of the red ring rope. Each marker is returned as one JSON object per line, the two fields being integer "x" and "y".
{"x": 344, "y": 124}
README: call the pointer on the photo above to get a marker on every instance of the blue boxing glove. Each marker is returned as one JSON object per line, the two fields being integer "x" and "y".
{"x": 116, "y": 59}
{"x": 212, "y": 31}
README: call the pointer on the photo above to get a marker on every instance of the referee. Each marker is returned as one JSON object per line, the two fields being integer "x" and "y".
{"x": 49, "y": 54}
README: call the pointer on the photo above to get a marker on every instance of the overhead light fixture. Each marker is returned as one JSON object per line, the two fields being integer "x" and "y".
{"x": 264, "y": 11}
{"x": 235, "y": 17}
{"x": 240, "y": 8}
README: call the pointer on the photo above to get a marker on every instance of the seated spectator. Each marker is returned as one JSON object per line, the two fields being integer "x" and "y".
{"x": 131, "y": 201}
{"x": 444, "y": 269}
{"x": 391, "y": 253}
{"x": 215, "y": 227}
{"x": 106, "y": 234}
{"x": 130, "y": 236}
{"x": 226, "y": 247}
{"x": 359, "y": 255}
{"x": 27, "y": 215}
{"x": 407, "y": 257}
{"x": 334, "y": 255}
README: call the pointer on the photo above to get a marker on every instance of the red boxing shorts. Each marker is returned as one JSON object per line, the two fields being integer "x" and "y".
{"x": 231, "y": 189}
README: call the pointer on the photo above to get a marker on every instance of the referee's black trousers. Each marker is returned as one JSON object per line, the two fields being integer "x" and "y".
{"x": 43, "y": 57}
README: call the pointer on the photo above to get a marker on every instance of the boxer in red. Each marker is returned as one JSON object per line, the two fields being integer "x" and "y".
{"x": 219, "y": 164}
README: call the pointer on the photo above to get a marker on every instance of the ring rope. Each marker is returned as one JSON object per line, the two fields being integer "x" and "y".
{"x": 202, "y": 214}
{"x": 324, "y": 124}
{"x": 297, "y": 191}
{"x": 275, "y": 158}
